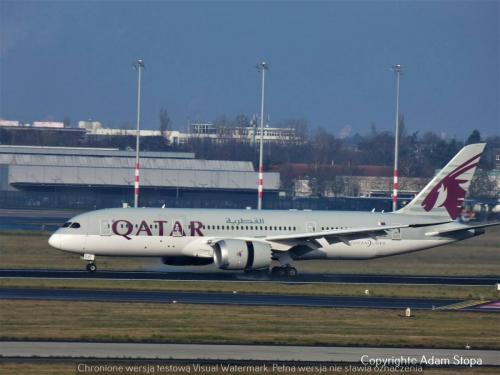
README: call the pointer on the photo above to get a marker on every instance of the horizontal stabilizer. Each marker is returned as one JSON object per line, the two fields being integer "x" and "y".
{"x": 460, "y": 229}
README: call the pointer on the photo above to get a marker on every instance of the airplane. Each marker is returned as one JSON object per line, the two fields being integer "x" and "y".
{"x": 247, "y": 240}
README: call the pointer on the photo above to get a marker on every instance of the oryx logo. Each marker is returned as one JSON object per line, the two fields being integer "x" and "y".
{"x": 448, "y": 193}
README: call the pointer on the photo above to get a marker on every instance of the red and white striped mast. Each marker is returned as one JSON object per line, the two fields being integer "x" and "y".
{"x": 138, "y": 65}
{"x": 397, "y": 69}
{"x": 262, "y": 67}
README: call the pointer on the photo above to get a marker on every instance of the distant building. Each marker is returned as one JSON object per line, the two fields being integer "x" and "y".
{"x": 48, "y": 124}
{"x": 496, "y": 155}
{"x": 7, "y": 123}
{"x": 90, "y": 125}
{"x": 95, "y": 128}
{"x": 36, "y": 124}
{"x": 125, "y": 132}
{"x": 74, "y": 173}
{"x": 344, "y": 181}
{"x": 201, "y": 128}
{"x": 249, "y": 134}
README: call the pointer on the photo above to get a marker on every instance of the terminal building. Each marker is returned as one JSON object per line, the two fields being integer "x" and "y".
{"x": 98, "y": 177}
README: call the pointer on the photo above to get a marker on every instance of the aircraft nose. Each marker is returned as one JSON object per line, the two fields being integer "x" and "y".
{"x": 55, "y": 241}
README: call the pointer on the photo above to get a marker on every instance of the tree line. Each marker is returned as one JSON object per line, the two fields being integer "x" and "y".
{"x": 319, "y": 155}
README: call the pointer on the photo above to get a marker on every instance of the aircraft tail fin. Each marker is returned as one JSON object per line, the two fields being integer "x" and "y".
{"x": 444, "y": 195}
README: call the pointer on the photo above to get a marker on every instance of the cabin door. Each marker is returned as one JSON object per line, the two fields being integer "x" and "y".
{"x": 310, "y": 227}
{"x": 105, "y": 227}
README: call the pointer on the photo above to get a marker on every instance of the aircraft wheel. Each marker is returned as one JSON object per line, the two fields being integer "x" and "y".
{"x": 280, "y": 272}
{"x": 91, "y": 267}
{"x": 277, "y": 271}
{"x": 291, "y": 271}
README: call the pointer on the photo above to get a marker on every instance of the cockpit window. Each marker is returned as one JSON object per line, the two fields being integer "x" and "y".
{"x": 66, "y": 224}
{"x": 75, "y": 225}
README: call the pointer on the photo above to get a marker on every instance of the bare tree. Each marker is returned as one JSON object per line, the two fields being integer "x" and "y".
{"x": 67, "y": 122}
{"x": 484, "y": 186}
{"x": 165, "y": 122}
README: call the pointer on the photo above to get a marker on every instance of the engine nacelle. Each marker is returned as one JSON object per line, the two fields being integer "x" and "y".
{"x": 186, "y": 261}
{"x": 241, "y": 255}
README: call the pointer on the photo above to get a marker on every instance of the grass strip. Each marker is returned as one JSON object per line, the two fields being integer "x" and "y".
{"x": 319, "y": 289}
{"x": 184, "y": 323}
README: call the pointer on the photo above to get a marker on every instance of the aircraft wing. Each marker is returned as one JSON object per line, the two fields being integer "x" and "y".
{"x": 460, "y": 228}
{"x": 339, "y": 233}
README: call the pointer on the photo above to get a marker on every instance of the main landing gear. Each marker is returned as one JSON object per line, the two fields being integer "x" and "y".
{"x": 284, "y": 271}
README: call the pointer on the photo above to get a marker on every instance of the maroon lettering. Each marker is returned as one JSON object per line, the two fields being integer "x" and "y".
{"x": 160, "y": 226}
{"x": 144, "y": 227}
{"x": 196, "y": 228}
{"x": 125, "y": 232}
{"x": 177, "y": 230}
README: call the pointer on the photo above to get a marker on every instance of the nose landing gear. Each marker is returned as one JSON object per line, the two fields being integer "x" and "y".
{"x": 91, "y": 267}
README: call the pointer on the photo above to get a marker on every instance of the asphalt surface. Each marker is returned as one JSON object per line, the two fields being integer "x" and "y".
{"x": 242, "y": 277}
{"x": 26, "y": 349}
{"x": 221, "y": 298}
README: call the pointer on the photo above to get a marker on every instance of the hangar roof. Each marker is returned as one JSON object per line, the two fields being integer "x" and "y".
{"x": 24, "y": 167}
{"x": 89, "y": 151}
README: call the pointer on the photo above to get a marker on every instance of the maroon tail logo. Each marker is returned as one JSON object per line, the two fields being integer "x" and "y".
{"x": 448, "y": 193}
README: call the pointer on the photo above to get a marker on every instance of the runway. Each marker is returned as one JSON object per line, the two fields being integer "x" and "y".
{"x": 55, "y": 294}
{"x": 254, "y": 277}
{"x": 326, "y": 354}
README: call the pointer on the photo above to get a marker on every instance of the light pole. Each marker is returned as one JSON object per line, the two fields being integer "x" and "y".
{"x": 138, "y": 65}
{"x": 261, "y": 67}
{"x": 398, "y": 70}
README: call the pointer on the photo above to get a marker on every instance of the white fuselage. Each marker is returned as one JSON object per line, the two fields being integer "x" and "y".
{"x": 190, "y": 232}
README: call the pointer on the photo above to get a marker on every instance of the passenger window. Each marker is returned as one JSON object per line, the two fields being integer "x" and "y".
{"x": 75, "y": 225}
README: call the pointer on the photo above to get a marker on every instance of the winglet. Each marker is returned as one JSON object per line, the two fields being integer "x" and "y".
{"x": 445, "y": 194}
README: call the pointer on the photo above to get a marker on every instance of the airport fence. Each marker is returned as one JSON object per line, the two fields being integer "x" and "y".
{"x": 95, "y": 200}
{"x": 89, "y": 201}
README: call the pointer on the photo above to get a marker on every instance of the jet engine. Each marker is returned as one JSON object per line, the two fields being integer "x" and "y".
{"x": 186, "y": 261}
{"x": 233, "y": 254}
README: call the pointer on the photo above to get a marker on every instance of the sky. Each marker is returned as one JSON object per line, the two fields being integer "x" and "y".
{"x": 329, "y": 62}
